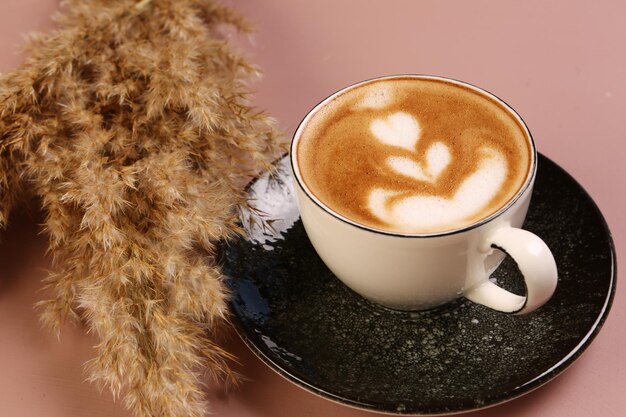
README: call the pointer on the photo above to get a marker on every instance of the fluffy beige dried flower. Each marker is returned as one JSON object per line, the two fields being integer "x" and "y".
{"x": 131, "y": 124}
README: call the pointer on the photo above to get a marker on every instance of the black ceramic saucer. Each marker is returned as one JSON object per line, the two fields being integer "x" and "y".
{"x": 305, "y": 324}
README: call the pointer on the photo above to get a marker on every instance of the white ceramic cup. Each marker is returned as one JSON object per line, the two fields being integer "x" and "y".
{"x": 420, "y": 271}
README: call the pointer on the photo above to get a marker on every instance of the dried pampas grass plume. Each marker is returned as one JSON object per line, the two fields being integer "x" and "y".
{"x": 131, "y": 124}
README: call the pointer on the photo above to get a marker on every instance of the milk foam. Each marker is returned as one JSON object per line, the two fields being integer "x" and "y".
{"x": 403, "y": 130}
{"x": 413, "y": 155}
{"x": 423, "y": 212}
{"x": 437, "y": 159}
{"x": 399, "y": 129}
{"x": 377, "y": 98}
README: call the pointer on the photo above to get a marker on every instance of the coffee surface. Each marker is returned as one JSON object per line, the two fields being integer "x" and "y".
{"x": 413, "y": 155}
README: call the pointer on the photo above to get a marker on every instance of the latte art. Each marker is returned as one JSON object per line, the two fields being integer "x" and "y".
{"x": 399, "y": 129}
{"x": 414, "y": 155}
{"x": 437, "y": 157}
{"x": 403, "y": 211}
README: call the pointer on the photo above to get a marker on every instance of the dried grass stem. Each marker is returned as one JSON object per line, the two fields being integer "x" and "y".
{"x": 135, "y": 131}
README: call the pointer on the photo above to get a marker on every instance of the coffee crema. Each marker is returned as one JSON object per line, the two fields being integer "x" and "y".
{"x": 413, "y": 154}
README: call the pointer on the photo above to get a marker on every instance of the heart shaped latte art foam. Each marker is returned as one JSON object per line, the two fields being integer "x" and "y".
{"x": 470, "y": 198}
{"x": 399, "y": 129}
{"x": 403, "y": 130}
{"x": 437, "y": 159}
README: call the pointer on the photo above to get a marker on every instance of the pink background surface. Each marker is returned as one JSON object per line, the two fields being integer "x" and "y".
{"x": 560, "y": 64}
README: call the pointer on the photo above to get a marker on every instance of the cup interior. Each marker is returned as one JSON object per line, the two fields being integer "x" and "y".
{"x": 530, "y": 175}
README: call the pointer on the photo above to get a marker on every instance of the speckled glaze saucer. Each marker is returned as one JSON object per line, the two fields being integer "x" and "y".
{"x": 305, "y": 324}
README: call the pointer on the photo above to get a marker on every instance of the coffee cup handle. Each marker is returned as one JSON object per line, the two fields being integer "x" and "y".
{"x": 535, "y": 262}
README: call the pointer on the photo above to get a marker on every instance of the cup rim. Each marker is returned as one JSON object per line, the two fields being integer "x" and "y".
{"x": 311, "y": 196}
